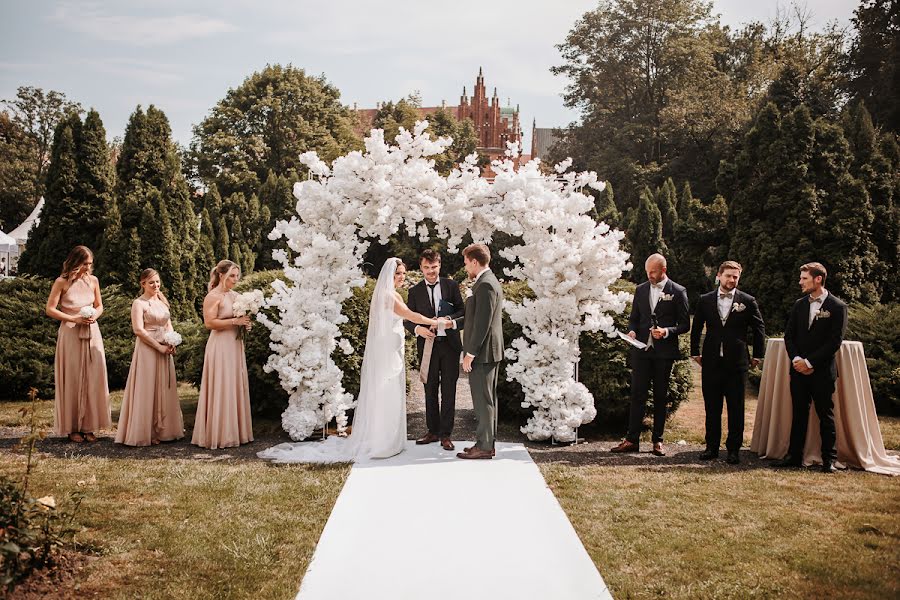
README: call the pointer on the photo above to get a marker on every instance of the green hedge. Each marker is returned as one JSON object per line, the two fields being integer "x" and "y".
{"x": 603, "y": 369}
{"x": 28, "y": 337}
{"x": 876, "y": 327}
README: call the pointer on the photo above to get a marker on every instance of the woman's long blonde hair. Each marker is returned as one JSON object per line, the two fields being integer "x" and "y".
{"x": 147, "y": 274}
{"x": 219, "y": 271}
{"x": 77, "y": 257}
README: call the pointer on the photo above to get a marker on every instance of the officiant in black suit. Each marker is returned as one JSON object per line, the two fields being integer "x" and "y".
{"x": 814, "y": 334}
{"x": 729, "y": 315}
{"x": 437, "y": 296}
{"x": 659, "y": 314}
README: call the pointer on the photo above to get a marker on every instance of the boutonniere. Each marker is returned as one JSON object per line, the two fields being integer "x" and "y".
{"x": 822, "y": 314}
{"x": 468, "y": 293}
{"x": 738, "y": 307}
{"x": 666, "y": 297}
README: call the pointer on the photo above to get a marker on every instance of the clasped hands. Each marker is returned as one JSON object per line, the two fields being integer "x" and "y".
{"x": 431, "y": 331}
{"x": 801, "y": 367}
{"x": 657, "y": 332}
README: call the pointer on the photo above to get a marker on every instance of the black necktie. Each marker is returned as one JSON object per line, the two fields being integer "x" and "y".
{"x": 431, "y": 296}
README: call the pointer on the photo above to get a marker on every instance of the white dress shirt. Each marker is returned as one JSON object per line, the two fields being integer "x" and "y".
{"x": 724, "y": 302}
{"x": 437, "y": 301}
{"x": 815, "y": 305}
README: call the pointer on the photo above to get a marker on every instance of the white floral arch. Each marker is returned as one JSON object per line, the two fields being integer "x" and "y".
{"x": 568, "y": 260}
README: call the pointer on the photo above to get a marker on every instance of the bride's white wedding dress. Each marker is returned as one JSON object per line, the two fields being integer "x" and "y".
{"x": 379, "y": 422}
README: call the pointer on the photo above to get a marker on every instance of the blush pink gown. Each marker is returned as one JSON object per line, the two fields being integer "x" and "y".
{"x": 223, "y": 411}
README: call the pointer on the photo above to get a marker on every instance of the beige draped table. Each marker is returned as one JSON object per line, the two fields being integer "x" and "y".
{"x": 859, "y": 441}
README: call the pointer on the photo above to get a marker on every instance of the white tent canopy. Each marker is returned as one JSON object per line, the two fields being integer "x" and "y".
{"x": 8, "y": 245}
{"x": 21, "y": 232}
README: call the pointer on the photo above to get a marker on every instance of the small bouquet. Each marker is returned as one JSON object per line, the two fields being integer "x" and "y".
{"x": 173, "y": 338}
{"x": 247, "y": 303}
{"x": 87, "y": 312}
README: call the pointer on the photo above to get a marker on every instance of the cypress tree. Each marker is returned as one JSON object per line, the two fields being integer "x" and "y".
{"x": 645, "y": 234}
{"x": 95, "y": 177}
{"x": 665, "y": 200}
{"x": 62, "y": 225}
{"x": 157, "y": 219}
{"x": 605, "y": 207}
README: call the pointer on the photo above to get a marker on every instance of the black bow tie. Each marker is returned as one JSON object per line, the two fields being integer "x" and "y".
{"x": 819, "y": 299}
{"x": 723, "y": 296}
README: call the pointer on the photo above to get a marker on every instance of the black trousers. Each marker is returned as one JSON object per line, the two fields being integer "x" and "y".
{"x": 818, "y": 388}
{"x": 443, "y": 372}
{"x": 646, "y": 367}
{"x": 718, "y": 382}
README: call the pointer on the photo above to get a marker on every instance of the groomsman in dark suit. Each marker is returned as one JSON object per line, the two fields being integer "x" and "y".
{"x": 659, "y": 314}
{"x": 728, "y": 314}
{"x": 814, "y": 334}
{"x": 437, "y": 296}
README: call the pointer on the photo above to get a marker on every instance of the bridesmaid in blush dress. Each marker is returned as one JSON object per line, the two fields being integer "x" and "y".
{"x": 150, "y": 412}
{"x": 82, "y": 392}
{"x": 223, "y": 411}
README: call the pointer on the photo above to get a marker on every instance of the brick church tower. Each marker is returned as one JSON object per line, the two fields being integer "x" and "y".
{"x": 495, "y": 125}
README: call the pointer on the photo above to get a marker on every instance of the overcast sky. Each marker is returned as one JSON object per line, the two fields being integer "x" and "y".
{"x": 183, "y": 56}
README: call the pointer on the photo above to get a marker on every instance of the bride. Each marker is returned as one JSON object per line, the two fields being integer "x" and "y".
{"x": 379, "y": 423}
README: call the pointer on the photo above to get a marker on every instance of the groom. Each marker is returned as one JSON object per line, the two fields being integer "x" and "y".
{"x": 437, "y": 296}
{"x": 483, "y": 345}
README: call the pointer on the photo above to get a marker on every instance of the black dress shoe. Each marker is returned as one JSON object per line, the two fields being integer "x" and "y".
{"x": 709, "y": 454}
{"x": 733, "y": 457}
{"x": 788, "y": 461}
{"x": 828, "y": 467}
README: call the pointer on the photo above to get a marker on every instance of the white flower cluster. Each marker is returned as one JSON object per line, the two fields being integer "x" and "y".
{"x": 87, "y": 312}
{"x": 248, "y": 303}
{"x": 567, "y": 259}
{"x": 172, "y": 338}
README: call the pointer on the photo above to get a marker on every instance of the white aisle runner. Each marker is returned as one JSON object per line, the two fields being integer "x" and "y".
{"x": 425, "y": 524}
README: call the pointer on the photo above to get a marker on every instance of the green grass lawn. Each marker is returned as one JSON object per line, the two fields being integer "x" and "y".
{"x": 173, "y": 529}
{"x": 720, "y": 533}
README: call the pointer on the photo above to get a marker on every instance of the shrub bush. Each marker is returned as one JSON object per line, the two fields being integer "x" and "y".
{"x": 28, "y": 337}
{"x": 876, "y": 327}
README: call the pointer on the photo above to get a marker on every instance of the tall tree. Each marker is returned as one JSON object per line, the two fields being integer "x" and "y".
{"x": 875, "y": 165}
{"x": 79, "y": 182}
{"x": 277, "y": 203}
{"x": 38, "y": 113}
{"x": 873, "y": 59}
{"x": 18, "y": 174}
{"x": 794, "y": 201}
{"x": 605, "y": 207}
{"x": 624, "y": 60}
{"x": 157, "y": 224}
{"x": 265, "y": 124}
{"x": 645, "y": 234}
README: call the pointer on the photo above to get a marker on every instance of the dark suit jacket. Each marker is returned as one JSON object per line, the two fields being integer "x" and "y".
{"x": 671, "y": 314}
{"x": 731, "y": 337}
{"x": 418, "y": 301}
{"x": 484, "y": 320}
{"x": 819, "y": 343}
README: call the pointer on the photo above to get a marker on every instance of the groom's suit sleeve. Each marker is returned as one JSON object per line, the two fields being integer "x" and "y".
{"x": 413, "y": 306}
{"x": 458, "y": 304}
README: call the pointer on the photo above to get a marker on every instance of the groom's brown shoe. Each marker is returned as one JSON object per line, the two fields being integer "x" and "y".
{"x": 470, "y": 448}
{"x": 446, "y": 444}
{"x": 626, "y": 446}
{"x": 476, "y": 453}
{"x": 429, "y": 438}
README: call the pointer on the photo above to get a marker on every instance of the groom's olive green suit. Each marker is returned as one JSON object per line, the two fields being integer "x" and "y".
{"x": 483, "y": 338}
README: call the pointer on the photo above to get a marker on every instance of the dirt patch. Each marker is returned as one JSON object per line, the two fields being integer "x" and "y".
{"x": 59, "y": 581}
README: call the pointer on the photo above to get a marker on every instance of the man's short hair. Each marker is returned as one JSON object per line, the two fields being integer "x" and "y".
{"x": 815, "y": 269}
{"x": 430, "y": 256}
{"x": 730, "y": 264}
{"x": 656, "y": 258}
{"x": 479, "y": 253}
